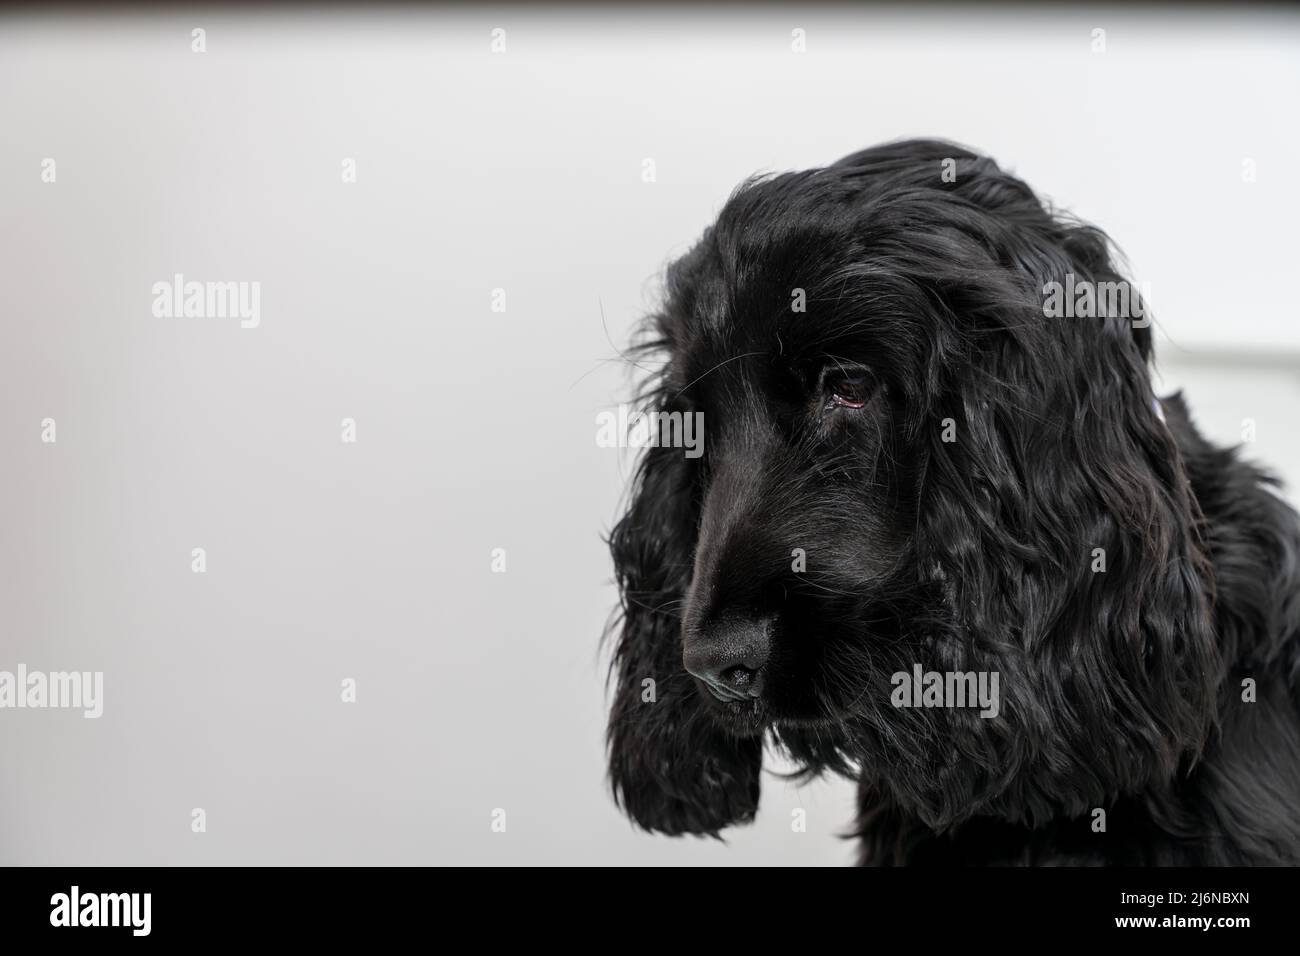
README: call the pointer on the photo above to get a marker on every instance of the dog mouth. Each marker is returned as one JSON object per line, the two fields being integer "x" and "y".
{"x": 741, "y": 715}
{"x": 726, "y": 695}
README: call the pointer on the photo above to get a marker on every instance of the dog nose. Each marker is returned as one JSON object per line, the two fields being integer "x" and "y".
{"x": 730, "y": 658}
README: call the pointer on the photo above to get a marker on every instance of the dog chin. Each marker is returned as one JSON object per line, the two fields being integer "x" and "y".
{"x": 753, "y": 718}
{"x": 747, "y": 718}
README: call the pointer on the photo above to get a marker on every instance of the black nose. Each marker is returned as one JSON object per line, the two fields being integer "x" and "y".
{"x": 730, "y": 657}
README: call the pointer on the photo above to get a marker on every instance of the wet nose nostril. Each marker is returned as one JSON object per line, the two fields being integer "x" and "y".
{"x": 729, "y": 657}
{"x": 742, "y": 680}
{"x": 739, "y": 677}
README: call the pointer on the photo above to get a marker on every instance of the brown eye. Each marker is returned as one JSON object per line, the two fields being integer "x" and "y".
{"x": 849, "y": 389}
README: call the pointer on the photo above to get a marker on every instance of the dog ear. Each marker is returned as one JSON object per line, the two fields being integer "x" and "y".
{"x": 673, "y": 768}
{"x": 1057, "y": 513}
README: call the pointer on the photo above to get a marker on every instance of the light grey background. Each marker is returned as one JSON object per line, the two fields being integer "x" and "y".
{"x": 476, "y": 430}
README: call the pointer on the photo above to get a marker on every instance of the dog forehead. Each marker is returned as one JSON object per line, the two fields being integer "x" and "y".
{"x": 762, "y": 334}
{"x": 729, "y": 324}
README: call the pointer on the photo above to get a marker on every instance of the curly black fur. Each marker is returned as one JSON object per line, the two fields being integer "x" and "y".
{"x": 1121, "y": 690}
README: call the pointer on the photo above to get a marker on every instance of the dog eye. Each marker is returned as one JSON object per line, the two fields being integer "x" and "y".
{"x": 849, "y": 389}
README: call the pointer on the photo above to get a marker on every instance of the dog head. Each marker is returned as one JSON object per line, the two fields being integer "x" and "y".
{"x": 908, "y": 463}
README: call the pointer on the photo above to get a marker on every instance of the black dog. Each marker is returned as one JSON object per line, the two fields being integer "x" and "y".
{"x": 909, "y": 467}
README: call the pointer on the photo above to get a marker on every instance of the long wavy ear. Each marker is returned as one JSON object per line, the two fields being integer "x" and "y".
{"x": 672, "y": 767}
{"x": 1058, "y": 516}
